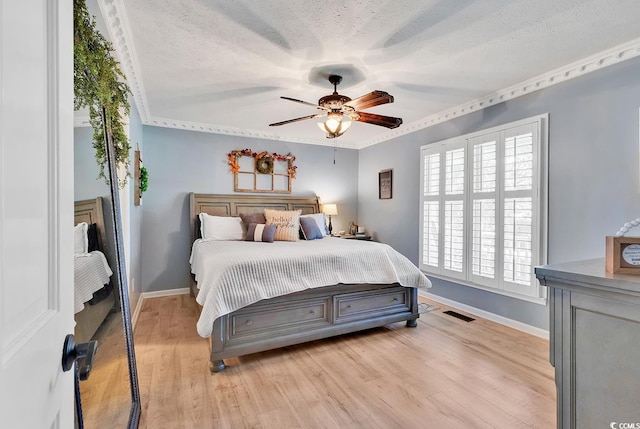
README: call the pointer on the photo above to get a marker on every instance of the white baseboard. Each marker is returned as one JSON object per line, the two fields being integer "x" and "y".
{"x": 489, "y": 316}
{"x": 155, "y": 294}
{"x": 168, "y": 292}
{"x": 520, "y": 326}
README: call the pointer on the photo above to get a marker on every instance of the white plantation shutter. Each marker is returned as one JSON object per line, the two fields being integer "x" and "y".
{"x": 520, "y": 219}
{"x": 483, "y": 230}
{"x": 484, "y": 239}
{"x": 454, "y": 236}
{"x": 454, "y": 216}
{"x": 429, "y": 246}
{"x": 518, "y": 222}
{"x": 483, "y": 208}
{"x": 431, "y": 232}
{"x": 454, "y": 172}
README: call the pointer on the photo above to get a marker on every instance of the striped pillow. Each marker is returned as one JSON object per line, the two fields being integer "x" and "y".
{"x": 287, "y": 223}
{"x": 260, "y": 232}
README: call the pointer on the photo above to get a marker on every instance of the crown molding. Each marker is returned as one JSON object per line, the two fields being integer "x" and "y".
{"x": 241, "y": 132}
{"x": 579, "y": 68}
{"x": 117, "y": 23}
{"x": 115, "y": 17}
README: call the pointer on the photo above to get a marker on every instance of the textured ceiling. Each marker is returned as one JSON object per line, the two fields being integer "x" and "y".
{"x": 221, "y": 65}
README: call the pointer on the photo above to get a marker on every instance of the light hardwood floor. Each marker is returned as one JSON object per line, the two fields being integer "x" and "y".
{"x": 445, "y": 373}
{"x": 105, "y": 395}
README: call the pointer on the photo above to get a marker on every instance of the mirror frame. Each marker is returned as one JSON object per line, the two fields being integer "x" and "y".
{"x": 121, "y": 271}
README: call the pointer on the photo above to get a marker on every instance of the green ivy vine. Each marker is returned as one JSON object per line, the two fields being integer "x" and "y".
{"x": 98, "y": 82}
{"x": 144, "y": 179}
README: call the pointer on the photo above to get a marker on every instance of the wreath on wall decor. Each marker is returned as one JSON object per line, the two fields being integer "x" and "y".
{"x": 264, "y": 161}
{"x": 264, "y": 165}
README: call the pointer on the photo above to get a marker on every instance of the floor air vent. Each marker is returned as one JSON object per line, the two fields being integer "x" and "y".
{"x": 459, "y": 316}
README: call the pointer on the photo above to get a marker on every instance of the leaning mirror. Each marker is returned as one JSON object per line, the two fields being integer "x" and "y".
{"x": 101, "y": 299}
{"x": 107, "y": 392}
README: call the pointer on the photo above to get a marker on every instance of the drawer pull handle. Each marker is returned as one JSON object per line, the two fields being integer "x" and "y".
{"x": 311, "y": 312}
{"x": 249, "y": 322}
{"x": 395, "y": 299}
{"x": 349, "y": 306}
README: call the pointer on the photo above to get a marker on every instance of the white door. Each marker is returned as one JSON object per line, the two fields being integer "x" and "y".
{"x": 36, "y": 212}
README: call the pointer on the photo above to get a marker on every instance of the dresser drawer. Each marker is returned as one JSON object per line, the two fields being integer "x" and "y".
{"x": 361, "y": 305}
{"x": 268, "y": 319}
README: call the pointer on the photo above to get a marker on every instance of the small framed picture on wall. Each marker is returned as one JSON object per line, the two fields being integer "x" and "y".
{"x": 385, "y": 184}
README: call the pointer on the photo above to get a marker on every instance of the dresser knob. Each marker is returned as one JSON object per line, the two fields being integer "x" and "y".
{"x": 395, "y": 299}
{"x": 312, "y": 312}
{"x": 349, "y": 306}
{"x": 249, "y": 322}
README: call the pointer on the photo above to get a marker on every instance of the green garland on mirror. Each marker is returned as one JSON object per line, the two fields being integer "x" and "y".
{"x": 97, "y": 83}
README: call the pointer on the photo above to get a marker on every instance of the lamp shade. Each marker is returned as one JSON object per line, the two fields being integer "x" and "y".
{"x": 330, "y": 209}
{"x": 334, "y": 126}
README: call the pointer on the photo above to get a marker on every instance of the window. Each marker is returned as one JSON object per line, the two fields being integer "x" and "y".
{"x": 483, "y": 208}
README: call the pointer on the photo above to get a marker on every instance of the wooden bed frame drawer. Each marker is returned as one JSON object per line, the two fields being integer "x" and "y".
{"x": 356, "y": 306}
{"x": 270, "y": 318}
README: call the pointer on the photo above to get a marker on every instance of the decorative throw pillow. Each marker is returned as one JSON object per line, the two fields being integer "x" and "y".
{"x": 220, "y": 227}
{"x": 80, "y": 240}
{"x": 309, "y": 228}
{"x": 92, "y": 237}
{"x": 260, "y": 232}
{"x": 287, "y": 222}
{"x": 249, "y": 218}
{"x": 320, "y": 220}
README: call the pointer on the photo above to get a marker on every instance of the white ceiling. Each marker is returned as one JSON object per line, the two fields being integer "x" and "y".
{"x": 221, "y": 65}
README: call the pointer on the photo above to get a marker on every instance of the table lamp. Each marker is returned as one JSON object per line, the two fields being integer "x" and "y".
{"x": 330, "y": 210}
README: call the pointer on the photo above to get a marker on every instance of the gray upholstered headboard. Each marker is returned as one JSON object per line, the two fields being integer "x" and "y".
{"x": 233, "y": 205}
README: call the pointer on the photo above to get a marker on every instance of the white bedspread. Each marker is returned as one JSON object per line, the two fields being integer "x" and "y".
{"x": 91, "y": 273}
{"x": 234, "y": 274}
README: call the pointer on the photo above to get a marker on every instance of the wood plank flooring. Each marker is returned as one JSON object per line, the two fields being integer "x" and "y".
{"x": 446, "y": 373}
{"x": 106, "y": 395}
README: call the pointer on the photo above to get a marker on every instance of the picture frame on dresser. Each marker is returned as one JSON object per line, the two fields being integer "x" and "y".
{"x": 385, "y": 184}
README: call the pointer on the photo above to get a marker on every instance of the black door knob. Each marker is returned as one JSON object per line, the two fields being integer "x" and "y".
{"x": 72, "y": 352}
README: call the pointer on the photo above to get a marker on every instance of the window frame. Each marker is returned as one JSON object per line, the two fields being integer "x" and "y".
{"x": 539, "y": 194}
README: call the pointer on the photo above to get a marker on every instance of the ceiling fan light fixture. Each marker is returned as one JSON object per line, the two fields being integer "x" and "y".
{"x": 334, "y": 126}
{"x": 337, "y": 107}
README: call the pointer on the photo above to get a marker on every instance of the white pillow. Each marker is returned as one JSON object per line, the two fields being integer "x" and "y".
{"x": 220, "y": 227}
{"x": 320, "y": 220}
{"x": 80, "y": 239}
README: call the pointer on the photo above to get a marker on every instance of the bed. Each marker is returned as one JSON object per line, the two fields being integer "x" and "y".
{"x": 313, "y": 310}
{"x": 94, "y": 295}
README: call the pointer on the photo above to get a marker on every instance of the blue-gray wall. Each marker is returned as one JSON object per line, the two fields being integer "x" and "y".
{"x": 180, "y": 162}
{"x": 86, "y": 182}
{"x": 594, "y": 183}
{"x": 135, "y": 212}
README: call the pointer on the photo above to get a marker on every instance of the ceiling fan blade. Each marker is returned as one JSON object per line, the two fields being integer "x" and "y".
{"x": 301, "y": 102}
{"x": 319, "y": 115}
{"x": 370, "y": 118}
{"x": 372, "y": 99}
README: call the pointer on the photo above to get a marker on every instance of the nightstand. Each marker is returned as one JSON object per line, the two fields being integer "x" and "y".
{"x": 356, "y": 237}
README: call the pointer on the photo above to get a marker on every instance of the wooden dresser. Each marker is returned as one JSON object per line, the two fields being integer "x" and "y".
{"x": 594, "y": 344}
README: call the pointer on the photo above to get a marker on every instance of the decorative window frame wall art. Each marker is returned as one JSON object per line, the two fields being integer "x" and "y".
{"x": 262, "y": 171}
{"x": 385, "y": 184}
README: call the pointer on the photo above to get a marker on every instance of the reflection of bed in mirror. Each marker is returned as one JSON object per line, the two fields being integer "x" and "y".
{"x": 95, "y": 295}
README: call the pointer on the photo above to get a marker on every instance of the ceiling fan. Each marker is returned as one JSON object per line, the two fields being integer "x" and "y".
{"x": 340, "y": 110}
